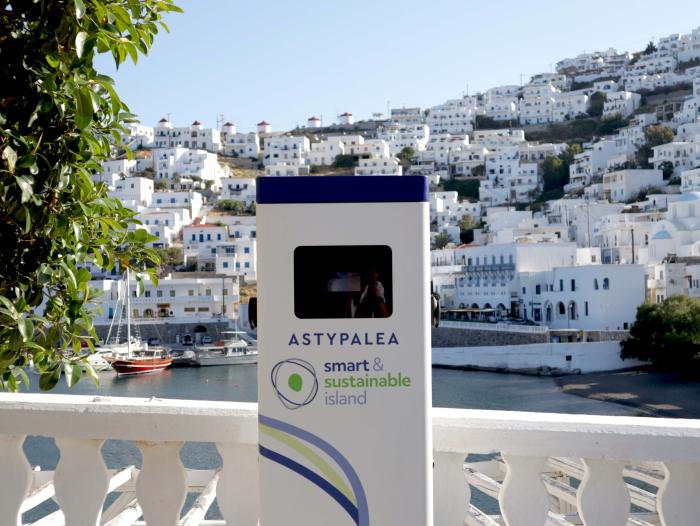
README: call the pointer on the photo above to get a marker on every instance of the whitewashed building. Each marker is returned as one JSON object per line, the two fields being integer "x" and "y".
{"x": 239, "y": 189}
{"x": 622, "y": 185}
{"x": 623, "y": 103}
{"x": 292, "y": 149}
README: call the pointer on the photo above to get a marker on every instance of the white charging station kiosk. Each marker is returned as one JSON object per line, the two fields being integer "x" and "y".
{"x": 344, "y": 385}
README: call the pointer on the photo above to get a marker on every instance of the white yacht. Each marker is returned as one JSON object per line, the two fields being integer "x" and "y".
{"x": 231, "y": 350}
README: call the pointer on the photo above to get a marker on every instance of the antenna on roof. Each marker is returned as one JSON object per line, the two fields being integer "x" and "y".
{"x": 219, "y": 121}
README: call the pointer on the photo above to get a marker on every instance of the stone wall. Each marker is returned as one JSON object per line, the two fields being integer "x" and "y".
{"x": 448, "y": 337}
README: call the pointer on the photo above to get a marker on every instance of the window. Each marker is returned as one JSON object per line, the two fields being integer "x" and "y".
{"x": 524, "y": 290}
{"x": 538, "y": 289}
{"x": 246, "y": 250}
{"x": 238, "y": 264}
{"x": 207, "y": 292}
{"x": 147, "y": 294}
{"x": 561, "y": 285}
{"x": 159, "y": 293}
{"x": 225, "y": 265}
{"x": 189, "y": 309}
{"x": 606, "y": 284}
{"x": 218, "y": 237}
{"x": 190, "y": 292}
{"x": 595, "y": 284}
{"x": 203, "y": 309}
{"x": 172, "y": 293}
{"x": 585, "y": 308}
{"x": 573, "y": 285}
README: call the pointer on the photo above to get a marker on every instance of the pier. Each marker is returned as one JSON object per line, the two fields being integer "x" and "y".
{"x": 541, "y": 468}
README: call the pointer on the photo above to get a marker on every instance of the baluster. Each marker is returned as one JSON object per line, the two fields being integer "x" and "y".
{"x": 81, "y": 480}
{"x": 523, "y": 497}
{"x": 161, "y": 486}
{"x": 451, "y": 492}
{"x": 15, "y": 479}
{"x": 237, "y": 492}
{"x": 603, "y": 497}
{"x": 678, "y": 500}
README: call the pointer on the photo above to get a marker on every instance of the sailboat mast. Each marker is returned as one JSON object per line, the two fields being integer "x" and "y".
{"x": 128, "y": 314}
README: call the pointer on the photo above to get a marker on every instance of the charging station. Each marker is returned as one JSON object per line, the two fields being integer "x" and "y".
{"x": 344, "y": 385}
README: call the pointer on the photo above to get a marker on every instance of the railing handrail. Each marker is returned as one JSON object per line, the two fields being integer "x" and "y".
{"x": 124, "y": 418}
{"x": 504, "y": 327}
{"x": 467, "y": 430}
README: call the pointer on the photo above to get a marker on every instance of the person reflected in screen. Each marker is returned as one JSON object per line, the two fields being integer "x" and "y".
{"x": 372, "y": 302}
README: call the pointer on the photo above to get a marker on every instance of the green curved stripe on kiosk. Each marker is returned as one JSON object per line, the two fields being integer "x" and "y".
{"x": 312, "y": 457}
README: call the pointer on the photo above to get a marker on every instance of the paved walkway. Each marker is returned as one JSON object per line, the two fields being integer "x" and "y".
{"x": 658, "y": 394}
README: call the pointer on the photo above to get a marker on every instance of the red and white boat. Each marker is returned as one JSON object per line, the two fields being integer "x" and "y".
{"x": 142, "y": 362}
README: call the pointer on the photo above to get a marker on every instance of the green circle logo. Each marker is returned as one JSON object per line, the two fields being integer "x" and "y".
{"x": 295, "y": 382}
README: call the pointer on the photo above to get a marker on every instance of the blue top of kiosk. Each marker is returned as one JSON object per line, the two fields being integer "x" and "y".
{"x": 343, "y": 189}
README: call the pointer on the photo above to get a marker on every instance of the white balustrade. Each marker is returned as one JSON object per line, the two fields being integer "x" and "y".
{"x": 540, "y": 469}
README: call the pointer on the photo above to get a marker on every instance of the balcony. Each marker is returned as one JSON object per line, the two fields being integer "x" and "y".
{"x": 553, "y": 469}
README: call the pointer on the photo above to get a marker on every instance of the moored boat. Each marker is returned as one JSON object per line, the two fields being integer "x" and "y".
{"x": 146, "y": 361}
{"x": 232, "y": 350}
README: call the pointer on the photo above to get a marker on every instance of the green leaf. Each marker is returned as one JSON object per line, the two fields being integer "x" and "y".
{"x": 11, "y": 157}
{"x": 80, "y": 43}
{"x": 83, "y": 114}
{"x": 76, "y": 374}
{"x": 25, "y": 184}
{"x": 49, "y": 379}
{"x": 26, "y": 328}
{"x": 79, "y": 9}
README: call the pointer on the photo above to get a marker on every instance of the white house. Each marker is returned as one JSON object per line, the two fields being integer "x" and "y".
{"x": 194, "y": 136}
{"x": 690, "y": 180}
{"x": 682, "y": 155}
{"x": 379, "y": 166}
{"x": 133, "y": 192}
{"x": 622, "y": 103}
{"x": 568, "y": 105}
{"x": 622, "y": 185}
{"x": 241, "y": 144}
{"x": 292, "y": 149}
{"x": 679, "y": 232}
{"x": 406, "y": 116}
{"x": 323, "y": 153}
{"x": 452, "y": 117}
{"x": 286, "y": 169}
{"x": 239, "y": 189}
{"x": 495, "y": 139}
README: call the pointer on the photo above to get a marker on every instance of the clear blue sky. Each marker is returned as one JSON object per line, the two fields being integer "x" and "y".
{"x": 283, "y": 60}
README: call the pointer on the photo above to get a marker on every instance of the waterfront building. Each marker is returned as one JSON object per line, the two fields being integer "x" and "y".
{"x": 177, "y": 299}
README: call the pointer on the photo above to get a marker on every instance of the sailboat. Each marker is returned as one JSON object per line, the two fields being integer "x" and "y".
{"x": 134, "y": 356}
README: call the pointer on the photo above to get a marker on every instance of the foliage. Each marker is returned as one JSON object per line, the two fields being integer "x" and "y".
{"x": 464, "y": 188}
{"x": 666, "y": 169}
{"x": 596, "y": 103}
{"x": 667, "y": 334}
{"x": 576, "y": 130}
{"x": 344, "y": 161}
{"x": 169, "y": 258}
{"x": 483, "y": 122}
{"x": 406, "y": 154}
{"x": 57, "y": 115}
{"x": 654, "y": 135}
{"x": 610, "y": 125}
{"x": 643, "y": 193}
{"x": 651, "y": 48}
{"x": 160, "y": 184}
{"x": 555, "y": 170}
{"x": 657, "y": 134}
{"x": 236, "y": 207}
{"x": 315, "y": 169}
{"x": 467, "y": 222}
{"x": 442, "y": 240}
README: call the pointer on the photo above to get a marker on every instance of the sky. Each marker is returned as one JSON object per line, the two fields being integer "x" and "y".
{"x": 284, "y": 61}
